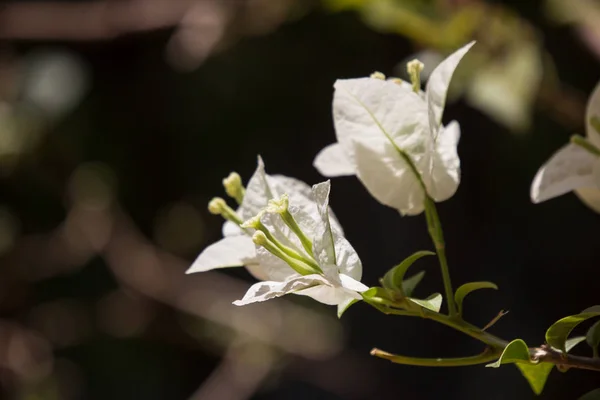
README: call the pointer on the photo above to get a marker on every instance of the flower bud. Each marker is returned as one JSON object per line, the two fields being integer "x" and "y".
{"x": 259, "y": 238}
{"x": 254, "y": 222}
{"x": 278, "y": 206}
{"x": 216, "y": 206}
{"x": 234, "y": 188}
{"x": 414, "y": 69}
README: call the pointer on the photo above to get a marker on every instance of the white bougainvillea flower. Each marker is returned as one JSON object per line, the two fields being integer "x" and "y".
{"x": 237, "y": 248}
{"x": 392, "y": 138}
{"x": 304, "y": 253}
{"x": 576, "y": 166}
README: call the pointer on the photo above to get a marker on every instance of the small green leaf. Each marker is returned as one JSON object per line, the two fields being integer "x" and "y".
{"x": 409, "y": 284}
{"x": 515, "y": 351}
{"x": 536, "y": 374}
{"x": 572, "y": 342}
{"x": 467, "y": 288}
{"x": 593, "y": 395}
{"x": 392, "y": 280}
{"x": 378, "y": 295}
{"x": 344, "y": 307}
{"x": 557, "y": 334}
{"x": 433, "y": 302}
{"x": 593, "y": 337}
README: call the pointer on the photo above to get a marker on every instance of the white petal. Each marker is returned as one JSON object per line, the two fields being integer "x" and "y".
{"x": 333, "y": 161}
{"x": 368, "y": 109}
{"x": 352, "y": 284}
{"x": 444, "y": 177}
{"x": 258, "y": 193}
{"x": 263, "y": 291}
{"x": 330, "y": 295}
{"x": 271, "y": 267}
{"x": 257, "y": 271}
{"x": 569, "y": 168}
{"x": 347, "y": 259}
{"x": 301, "y": 197}
{"x": 233, "y": 251}
{"x": 389, "y": 178}
{"x": 299, "y": 192}
{"x": 590, "y": 197}
{"x": 593, "y": 109}
{"x": 437, "y": 86}
{"x": 323, "y": 248}
{"x": 231, "y": 229}
{"x": 262, "y": 187}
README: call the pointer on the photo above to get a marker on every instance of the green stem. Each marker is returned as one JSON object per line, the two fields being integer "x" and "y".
{"x": 494, "y": 350}
{"x": 487, "y": 356}
{"x": 437, "y": 236}
{"x": 466, "y": 328}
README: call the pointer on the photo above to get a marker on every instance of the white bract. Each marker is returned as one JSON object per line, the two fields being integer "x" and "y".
{"x": 303, "y": 252}
{"x": 576, "y": 166}
{"x": 393, "y": 140}
{"x": 236, "y": 248}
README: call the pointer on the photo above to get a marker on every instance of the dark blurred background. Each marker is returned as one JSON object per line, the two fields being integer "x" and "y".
{"x": 118, "y": 120}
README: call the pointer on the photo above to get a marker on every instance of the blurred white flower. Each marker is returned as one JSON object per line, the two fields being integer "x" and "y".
{"x": 393, "y": 140}
{"x": 576, "y": 166}
{"x": 303, "y": 252}
{"x": 55, "y": 81}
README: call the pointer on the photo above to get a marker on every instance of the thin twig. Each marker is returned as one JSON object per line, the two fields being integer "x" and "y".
{"x": 546, "y": 353}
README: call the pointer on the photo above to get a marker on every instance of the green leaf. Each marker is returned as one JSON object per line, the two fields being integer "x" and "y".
{"x": 557, "y": 334}
{"x": 378, "y": 295}
{"x": 392, "y": 280}
{"x": 593, "y": 337}
{"x": 467, "y": 288}
{"x": 515, "y": 351}
{"x": 570, "y": 343}
{"x": 433, "y": 302}
{"x": 343, "y": 308}
{"x": 593, "y": 395}
{"x": 536, "y": 374}
{"x": 409, "y": 284}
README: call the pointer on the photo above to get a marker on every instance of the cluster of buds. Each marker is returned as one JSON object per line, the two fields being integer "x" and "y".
{"x": 234, "y": 189}
{"x": 302, "y": 262}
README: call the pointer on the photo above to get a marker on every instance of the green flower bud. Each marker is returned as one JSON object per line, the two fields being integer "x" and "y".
{"x": 218, "y": 206}
{"x": 234, "y": 188}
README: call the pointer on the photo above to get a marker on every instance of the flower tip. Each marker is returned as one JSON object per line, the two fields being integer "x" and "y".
{"x": 278, "y": 206}
{"x": 414, "y": 67}
{"x": 378, "y": 75}
{"x": 259, "y": 238}
{"x": 233, "y": 180}
{"x": 233, "y": 187}
{"x": 216, "y": 206}
{"x": 253, "y": 222}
